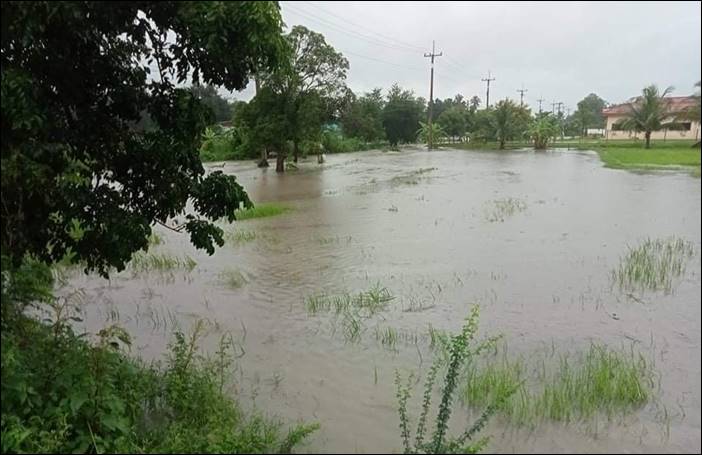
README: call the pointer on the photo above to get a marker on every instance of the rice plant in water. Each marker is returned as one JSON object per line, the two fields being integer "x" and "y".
{"x": 147, "y": 262}
{"x": 155, "y": 239}
{"x": 237, "y": 237}
{"x": 233, "y": 278}
{"x": 261, "y": 211}
{"x": 501, "y": 209}
{"x": 462, "y": 350}
{"x": 653, "y": 265}
{"x": 372, "y": 301}
{"x": 571, "y": 387}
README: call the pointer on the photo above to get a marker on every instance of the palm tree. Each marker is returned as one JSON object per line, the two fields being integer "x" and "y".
{"x": 543, "y": 130}
{"x": 648, "y": 113}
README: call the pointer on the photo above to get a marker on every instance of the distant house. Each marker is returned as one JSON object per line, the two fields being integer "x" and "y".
{"x": 688, "y": 129}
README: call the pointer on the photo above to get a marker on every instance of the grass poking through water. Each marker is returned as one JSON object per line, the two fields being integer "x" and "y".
{"x": 148, "y": 262}
{"x": 372, "y": 301}
{"x": 653, "y": 265}
{"x": 262, "y": 210}
{"x": 501, "y": 209}
{"x": 238, "y": 237}
{"x": 568, "y": 388}
{"x": 233, "y": 278}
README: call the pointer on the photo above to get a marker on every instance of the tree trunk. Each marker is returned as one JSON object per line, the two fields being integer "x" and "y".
{"x": 280, "y": 162}
{"x": 502, "y": 144}
{"x": 648, "y": 139}
{"x": 264, "y": 158}
{"x": 295, "y": 151}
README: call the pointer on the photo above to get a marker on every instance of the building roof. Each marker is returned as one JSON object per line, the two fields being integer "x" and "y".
{"x": 676, "y": 104}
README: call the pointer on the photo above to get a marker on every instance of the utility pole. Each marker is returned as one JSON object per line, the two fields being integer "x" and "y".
{"x": 553, "y": 108}
{"x": 521, "y": 95}
{"x": 431, "y": 92}
{"x": 559, "y": 104}
{"x": 487, "y": 95}
{"x": 540, "y": 100}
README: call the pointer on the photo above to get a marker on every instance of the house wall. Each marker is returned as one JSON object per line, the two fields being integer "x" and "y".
{"x": 611, "y": 133}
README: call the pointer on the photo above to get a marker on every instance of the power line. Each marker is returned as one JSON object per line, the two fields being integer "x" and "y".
{"x": 401, "y": 43}
{"x": 344, "y": 30}
{"x": 382, "y": 61}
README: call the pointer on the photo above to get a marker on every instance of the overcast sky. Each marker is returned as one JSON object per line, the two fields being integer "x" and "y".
{"x": 558, "y": 51}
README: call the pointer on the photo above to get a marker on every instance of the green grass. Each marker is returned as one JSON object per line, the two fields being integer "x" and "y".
{"x": 625, "y": 154}
{"x": 232, "y": 278}
{"x": 262, "y": 211}
{"x": 640, "y": 158}
{"x": 161, "y": 262}
{"x": 564, "y": 388}
{"x": 653, "y": 265}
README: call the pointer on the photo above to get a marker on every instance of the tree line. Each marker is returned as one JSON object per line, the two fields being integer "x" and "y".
{"x": 305, "y": 107}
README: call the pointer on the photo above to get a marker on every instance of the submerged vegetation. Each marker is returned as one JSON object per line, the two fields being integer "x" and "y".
{"x": 233, "y": 278}
{"x": 160, "y": 262}
{"x": 462, "y": 349}
{"x": 501, "y": 209}
{"x": 368, "y": 302}
{"x": 64, "y": 394}
{"x": 564, "y": 387}
{"x": 653, "y": 265}
{"x": 262, "y": 211}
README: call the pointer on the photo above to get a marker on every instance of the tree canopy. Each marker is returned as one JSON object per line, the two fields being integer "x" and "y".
{"x": 76, "y": 175}
{"x": 401, "y": 115}
{"x": 207, "y": 94}
{"x": 589, "y": 112}
{"x": 314, "y": 74}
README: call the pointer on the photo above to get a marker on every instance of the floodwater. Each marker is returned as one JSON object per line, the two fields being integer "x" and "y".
{"x": 423, "y": 225}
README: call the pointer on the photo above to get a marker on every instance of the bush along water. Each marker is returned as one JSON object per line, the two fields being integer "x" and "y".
{"x": 64, "y": 393}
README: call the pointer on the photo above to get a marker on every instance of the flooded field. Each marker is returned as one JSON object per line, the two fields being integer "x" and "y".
{"x": 535, "y": 239}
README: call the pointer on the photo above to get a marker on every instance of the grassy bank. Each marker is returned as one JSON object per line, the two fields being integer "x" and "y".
{"x": 617, "y": 154}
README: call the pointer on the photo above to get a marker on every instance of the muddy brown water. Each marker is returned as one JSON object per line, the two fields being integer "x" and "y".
{"x": 541, "y": 276}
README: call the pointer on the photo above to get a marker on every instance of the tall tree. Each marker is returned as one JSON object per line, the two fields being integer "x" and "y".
{"x": 74, "y": 82}
{"x": 207, "y": 94}
{"x": 648, "y": 113}
{"x": 363, "y": 117}
{"x": 505, "y": 121}
{"x": 401, "y": 115}
{"x": 589, "y": 112}
{"x": 474, "y": 103}
{"x": 453, "y": 121}
{"x": 315, "y": 69}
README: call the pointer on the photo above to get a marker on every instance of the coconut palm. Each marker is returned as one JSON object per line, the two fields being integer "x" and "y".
{"x": 648, "y": 113}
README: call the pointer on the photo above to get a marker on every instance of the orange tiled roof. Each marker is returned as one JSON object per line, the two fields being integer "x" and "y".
{"x": 676, "y": 104}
